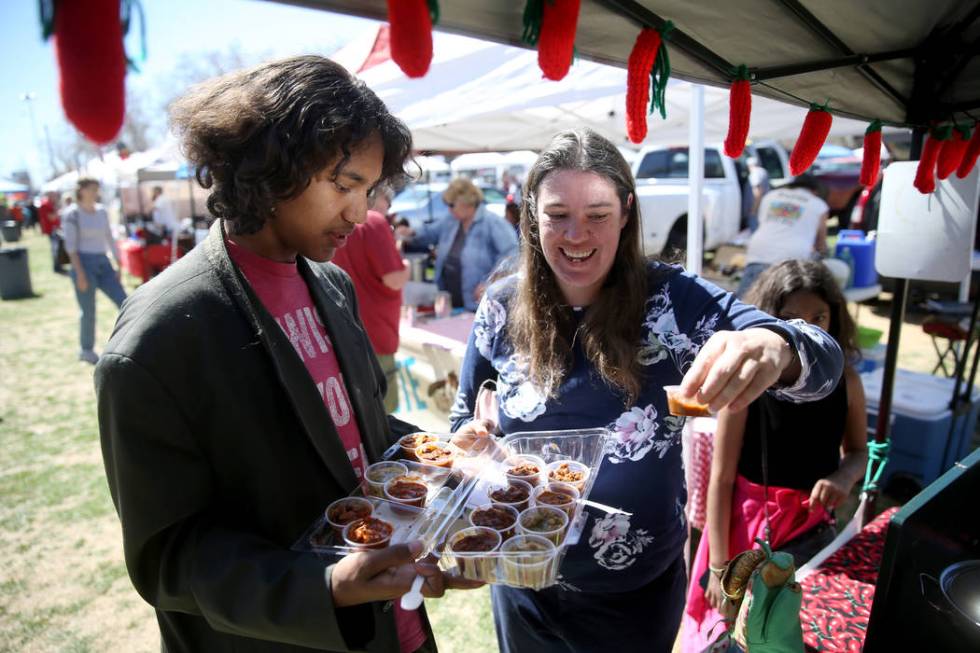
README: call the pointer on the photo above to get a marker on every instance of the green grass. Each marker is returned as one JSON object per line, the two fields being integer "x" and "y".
{"x": 63, "y": 584}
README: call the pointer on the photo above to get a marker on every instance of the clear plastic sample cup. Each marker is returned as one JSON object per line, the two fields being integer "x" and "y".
{"x": 557, "y": 495}
{"x": 571, "y": 472}
{"x": 344, "y": 511}
{"x": 471, "y": 548}
{"x": 516, "y": 494}
{"x": 550, "y": 523}
{"x": 681, "y": 406}
{"x": 376, "y": 475}
{"x": 407, "y": 490}
{"x": 524, "y": 467}
{"x": 411, "y": 441}
{"x": 528, "y": 561}
{"x": 437, "y": 454}
{"x": 368, "y": 533}
{"x": 502, "y": 519}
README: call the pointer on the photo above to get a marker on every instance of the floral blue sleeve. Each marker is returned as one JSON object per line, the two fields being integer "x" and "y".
{"x": 708, "y": 308}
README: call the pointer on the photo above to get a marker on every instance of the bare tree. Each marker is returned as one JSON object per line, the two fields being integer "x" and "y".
{"x": 139, "y": 129}
{"x": 195, "y": 67}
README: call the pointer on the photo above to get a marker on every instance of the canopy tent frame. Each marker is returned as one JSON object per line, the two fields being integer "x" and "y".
{"x": 941, "y": 59}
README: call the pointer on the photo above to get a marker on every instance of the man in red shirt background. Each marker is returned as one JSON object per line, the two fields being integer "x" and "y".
{"x": 50, "y": 222}
{"x": 375, "y": 265}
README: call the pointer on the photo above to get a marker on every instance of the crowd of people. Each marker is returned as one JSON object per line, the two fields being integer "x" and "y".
{"x": 252, "y": 382}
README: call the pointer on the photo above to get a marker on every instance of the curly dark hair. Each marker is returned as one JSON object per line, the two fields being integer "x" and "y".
{"x": 770, "y": 291}
{"x": 258, "y": 136}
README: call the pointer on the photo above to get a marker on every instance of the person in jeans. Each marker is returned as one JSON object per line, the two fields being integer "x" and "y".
{"x": 470, "y": 243}
{"x": 87, "y": 237}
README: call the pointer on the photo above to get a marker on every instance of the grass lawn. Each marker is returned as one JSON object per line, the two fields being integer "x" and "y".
{"x": 63, "y": 584}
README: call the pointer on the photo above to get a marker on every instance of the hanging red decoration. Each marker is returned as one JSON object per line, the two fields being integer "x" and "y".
{"x": 739, "y": 113}
{"x": 970, "y": 156}
{"x": 811, "y": 139}
{"x": 551, "y": 25}
{"x": 925, "y": 174}
{"x": 871, "y": 164}
{"x": 88, "y": 40}
{"x": 952, "y": 153}
{"x": 411, "y": 34}
{"x": 648, "y": 70}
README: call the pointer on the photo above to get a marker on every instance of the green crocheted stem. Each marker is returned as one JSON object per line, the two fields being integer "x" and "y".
{"x": 533, "y": 14}
{"x": 941, "y": 132}
{"x": 819, "y": 107}
{"x": 741, "y": 72}
{"x": 965, "y": 131}
{"x": 46, "y": 13}
{"x": 877, "y": 453}
{"x": 661, "y": 73}
{"x": 434, "y": 10}
{"x": 875, "y": 126}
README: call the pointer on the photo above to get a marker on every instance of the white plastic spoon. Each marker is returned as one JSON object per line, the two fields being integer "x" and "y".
{"x": 413, "y": 599}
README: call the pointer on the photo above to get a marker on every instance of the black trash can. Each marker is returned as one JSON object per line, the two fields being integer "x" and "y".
{"x": 15, "y": 273}
{"x": 10, "y": 230}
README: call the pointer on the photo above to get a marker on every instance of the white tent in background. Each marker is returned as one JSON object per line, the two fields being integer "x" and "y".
{"x": 10, "y": 186}
{"x": 484, "y": 96}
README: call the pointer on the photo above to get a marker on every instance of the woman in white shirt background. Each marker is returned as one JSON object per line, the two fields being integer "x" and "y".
{"x": 792, "y": 225}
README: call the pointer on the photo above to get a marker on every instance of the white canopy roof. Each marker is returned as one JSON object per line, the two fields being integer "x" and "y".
{"x": 480, "y": 95}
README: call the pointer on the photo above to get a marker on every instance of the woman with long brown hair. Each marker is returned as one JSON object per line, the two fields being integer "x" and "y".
{"x": 586, "y": 334}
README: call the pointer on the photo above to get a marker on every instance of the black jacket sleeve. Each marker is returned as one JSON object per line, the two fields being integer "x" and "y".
{"x": 180, "y": 555}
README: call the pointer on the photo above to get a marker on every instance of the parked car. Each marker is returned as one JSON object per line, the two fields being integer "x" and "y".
{"x": 662, "y": 188}
{"x": 422, "y": 203}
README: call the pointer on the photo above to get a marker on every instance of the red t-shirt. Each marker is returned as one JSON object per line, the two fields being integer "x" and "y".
{"x": 48, "y": 217}
{"x": 284, "y": 294}
{"x": 369, "y": 254}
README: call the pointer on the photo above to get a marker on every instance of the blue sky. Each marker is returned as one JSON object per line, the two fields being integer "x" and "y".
{"x": 173, "y": 28}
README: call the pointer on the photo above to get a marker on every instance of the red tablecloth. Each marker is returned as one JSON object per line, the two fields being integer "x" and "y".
{"x": 144, "y": 261}
{"x": 837, "y": 597}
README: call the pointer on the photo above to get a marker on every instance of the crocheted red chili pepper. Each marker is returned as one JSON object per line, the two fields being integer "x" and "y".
{"x": 411, "y": 34}
{"x": 811, "y": 139}
{"x": 952, "y": 153}
{"x": 648, "y": 69}
{"x": 551, "y": 24}
{"x": 88, "y": 40}
{"x": 925, "y": 174}
{"x": 970, "y": 156}
{"x": 739, "y": 113}
{"x": 871, "y": 164}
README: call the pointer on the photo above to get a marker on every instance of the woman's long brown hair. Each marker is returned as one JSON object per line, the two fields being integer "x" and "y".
{"x": 542, "y": 325}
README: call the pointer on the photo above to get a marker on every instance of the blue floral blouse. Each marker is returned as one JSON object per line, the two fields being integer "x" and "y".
{"x": 642, "y": 470}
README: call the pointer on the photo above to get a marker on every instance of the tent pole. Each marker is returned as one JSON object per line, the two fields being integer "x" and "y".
{"x": 695, "y": 174}
{"x": 899, "y": 301}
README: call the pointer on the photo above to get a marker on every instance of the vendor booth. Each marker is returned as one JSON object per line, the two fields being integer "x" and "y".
{"x": 905, "y": 64}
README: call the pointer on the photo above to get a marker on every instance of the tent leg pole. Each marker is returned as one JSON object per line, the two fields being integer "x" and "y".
{"x": 899, "y": 301}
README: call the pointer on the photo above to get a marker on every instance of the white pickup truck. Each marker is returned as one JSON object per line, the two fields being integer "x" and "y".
{"x": 662, "y": 189}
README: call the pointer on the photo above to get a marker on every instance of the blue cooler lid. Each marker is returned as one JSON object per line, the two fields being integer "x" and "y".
{"x": 918, "y": 395}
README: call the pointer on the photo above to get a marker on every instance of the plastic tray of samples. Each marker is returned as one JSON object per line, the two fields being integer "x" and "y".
{"x": 524, "y": 509}
{"x": 415, "y": 495}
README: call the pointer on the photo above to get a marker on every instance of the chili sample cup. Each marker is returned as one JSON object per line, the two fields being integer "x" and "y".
{"x": 344, "y": 511}
{"x": 407, "y": 490}
{"x": 550, "y": 523}
{"x": 368, "y": 533}
{"x": 681, "y": 406}
{"x": 528, "y": 561}
{"x": 436, "y": 454}
{"x": 520, "y": 464}
{"x": 571, "y": 472}
{"x": 376, "y": 475}
{"x": 410, "y": 442}
{"x": 472, "y": 565}
{"x": 552, "y": 492}
{"x": 493, "y": 516}
{"x": 517, "y": 504}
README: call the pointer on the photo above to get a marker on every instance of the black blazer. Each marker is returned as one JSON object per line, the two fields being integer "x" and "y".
{"x": 219, "y": 453}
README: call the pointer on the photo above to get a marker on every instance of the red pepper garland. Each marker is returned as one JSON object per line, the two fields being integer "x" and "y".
{"x": 648, "y": 68}
{"x": 551, "y": 25}
{"x": 411, "y": 34}
{"x": 952, "y": 153}
{"x": 970, "y": 156}
{"x": 739, "y": 113}
{"x": 88, "y": 39}
{"x": 811, "y": 139}
{"x": 871, "y": 164}
{"x": 925, "y": 174}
